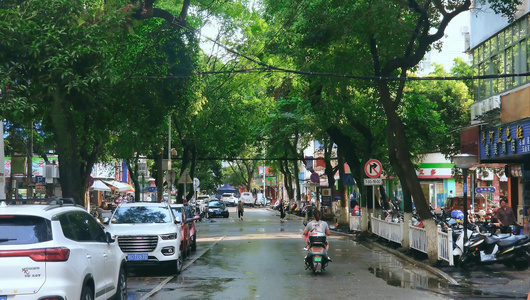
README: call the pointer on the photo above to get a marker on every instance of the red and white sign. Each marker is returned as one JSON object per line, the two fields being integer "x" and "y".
{"x": 373, "y": 168}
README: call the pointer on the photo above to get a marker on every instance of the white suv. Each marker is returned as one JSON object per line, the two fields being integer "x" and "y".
{"x": 148, "y": 233}
{"x": 229, "y": 199}
{"x": 53, "y": 249}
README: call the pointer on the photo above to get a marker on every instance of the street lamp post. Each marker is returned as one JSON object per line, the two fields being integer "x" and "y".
{"x": 465, "y": 161}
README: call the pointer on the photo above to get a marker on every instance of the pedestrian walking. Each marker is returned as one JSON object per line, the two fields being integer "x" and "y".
{"x": 240, "y": 210}
{"x": 282, "y": 211}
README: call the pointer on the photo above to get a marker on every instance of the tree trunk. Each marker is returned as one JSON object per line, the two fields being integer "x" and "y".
{"x": 29, "y": 156}
{"x": 159, "y": 175}
{"x": 67, "y": 145}
{"x": 397, "y": 134}
{"x": 297, "y": 182}
{"x": 407, "y": 173}
{"x": 344, "y": 216}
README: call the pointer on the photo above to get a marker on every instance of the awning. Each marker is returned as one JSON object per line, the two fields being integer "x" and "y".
{"x": 120, "y": 186}
{"x": 99, "y": 186}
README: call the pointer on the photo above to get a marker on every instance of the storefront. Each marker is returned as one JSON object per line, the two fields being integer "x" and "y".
{"x": 435, "y": 175}
{"x": 510, "y": 144}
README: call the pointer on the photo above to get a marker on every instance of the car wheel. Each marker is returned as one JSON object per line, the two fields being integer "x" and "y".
{"x": 183, "y": 251}
{"x": 178, "y": 265}
{"x": 121, "y": 291}
{"x": 194, "y": 242}
{"x": 86, "y": 293}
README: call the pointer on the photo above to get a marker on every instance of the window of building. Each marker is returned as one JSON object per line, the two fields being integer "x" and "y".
{"x": 508, "y": 52}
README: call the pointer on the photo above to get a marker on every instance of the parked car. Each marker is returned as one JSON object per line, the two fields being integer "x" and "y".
{"x": 187, "y": 223}
{"x": 248, "y": 199}
{"x": 148, "y": 233}
{"x": 202, "y": 199}
{"x": 54, "y": 249}
{"x": 229, "y": 199}
{"x": 217, "y": 209}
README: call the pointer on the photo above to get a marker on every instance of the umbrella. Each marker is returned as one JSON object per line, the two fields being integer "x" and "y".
{"x": 99, "y": 186}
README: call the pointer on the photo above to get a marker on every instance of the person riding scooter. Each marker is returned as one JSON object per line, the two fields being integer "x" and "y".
{"x": 316, "y": 225}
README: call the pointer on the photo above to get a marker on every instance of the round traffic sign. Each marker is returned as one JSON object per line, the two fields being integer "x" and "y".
{"x": 373, "y": 168}
{"x": 90, "y": 181}
{"x": 314, "y": 177}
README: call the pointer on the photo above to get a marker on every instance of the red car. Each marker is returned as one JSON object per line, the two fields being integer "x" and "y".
{"x": 187, "y": 222}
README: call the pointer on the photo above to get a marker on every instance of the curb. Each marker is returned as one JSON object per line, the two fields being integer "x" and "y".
{"x": 411, "y": 260}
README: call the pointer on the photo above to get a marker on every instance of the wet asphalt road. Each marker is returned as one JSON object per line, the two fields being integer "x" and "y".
{"x": 260, "y": 258}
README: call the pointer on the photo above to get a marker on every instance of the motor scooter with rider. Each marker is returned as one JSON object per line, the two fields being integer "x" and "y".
{"x": 315, "y": 234}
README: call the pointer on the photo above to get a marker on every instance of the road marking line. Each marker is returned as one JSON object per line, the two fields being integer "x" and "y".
{"x": 161, "y": 285}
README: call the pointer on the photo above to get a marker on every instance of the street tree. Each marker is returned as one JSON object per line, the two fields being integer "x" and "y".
{"x": 386, "y": 40}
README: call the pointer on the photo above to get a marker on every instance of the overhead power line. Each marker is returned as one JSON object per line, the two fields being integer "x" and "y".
{"x": 348, "y": 76}
{"x": 270, "y": 69}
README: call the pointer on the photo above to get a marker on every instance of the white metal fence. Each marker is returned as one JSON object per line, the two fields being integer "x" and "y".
{"x": 417, "y": 236}
{"x": 389, "y": 230}
{"x": 355, "y": 223}
{"x": 445, "y": 245}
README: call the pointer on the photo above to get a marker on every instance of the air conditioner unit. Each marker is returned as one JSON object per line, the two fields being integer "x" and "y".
{"x": 495, "y": 102}
{"x": 486, "y": 105}
{"x": 476, "y": 110}
{"x": 50, "y": 172}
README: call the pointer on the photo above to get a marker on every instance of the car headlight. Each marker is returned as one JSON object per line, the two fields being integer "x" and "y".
{"x": 169, "y": 236}
{"x": 210, "y": 210}
{"x": 226, "y": 209}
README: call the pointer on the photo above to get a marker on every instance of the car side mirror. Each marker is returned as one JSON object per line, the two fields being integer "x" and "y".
{"x": 106, "y": 220}
{"x": 177, "y": 220}
{"x": 108, "y": 238}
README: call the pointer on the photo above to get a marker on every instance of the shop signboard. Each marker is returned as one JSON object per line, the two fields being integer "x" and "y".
{"x": 505, "y": 140}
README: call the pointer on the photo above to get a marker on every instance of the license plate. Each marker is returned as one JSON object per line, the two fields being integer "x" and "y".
{"x": 135, "y": 257}
{"x": 3, "y": 297}
{"x": 218, "y": 212}
{"x": 318, "y": 258}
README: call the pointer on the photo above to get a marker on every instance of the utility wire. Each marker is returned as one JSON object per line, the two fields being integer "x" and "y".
{"x": 269, "y": 68}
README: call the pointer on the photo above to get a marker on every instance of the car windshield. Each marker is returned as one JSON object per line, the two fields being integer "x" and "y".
{"x": 215, "y": 204}
{"x": 141, "y": 214}
{"x": 177, "y": 212}
{"x": 227, "y": 195}
{"x": 18, "y": 230}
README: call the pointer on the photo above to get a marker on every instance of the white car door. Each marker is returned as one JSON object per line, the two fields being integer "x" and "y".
{"x": 95, "y": 249}
{"x": 111, "y": 257}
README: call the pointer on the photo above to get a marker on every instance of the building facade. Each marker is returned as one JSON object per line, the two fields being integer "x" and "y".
{"x": 500, "y": 116}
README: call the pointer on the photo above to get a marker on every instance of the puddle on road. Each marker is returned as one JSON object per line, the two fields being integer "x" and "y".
{"x": 400, "y": 274}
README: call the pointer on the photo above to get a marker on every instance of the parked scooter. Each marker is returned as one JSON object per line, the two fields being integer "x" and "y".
{"x": 508, "y": 249}
{"x": 317, "y": 255}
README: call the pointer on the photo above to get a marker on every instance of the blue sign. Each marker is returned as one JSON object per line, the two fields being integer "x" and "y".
{"x": 40, "y": 179}
{"x": 505, "y": 140}
{"x": 485, "y": 189}
{"x": 314, "y": 177}
{"x": 152, "y": 189}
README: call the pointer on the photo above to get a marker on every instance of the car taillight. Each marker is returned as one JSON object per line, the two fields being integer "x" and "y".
{"x": 44, "y": 254}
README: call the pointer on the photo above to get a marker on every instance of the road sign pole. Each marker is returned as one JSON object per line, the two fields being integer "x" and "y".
{"x": 373, "y": 198}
